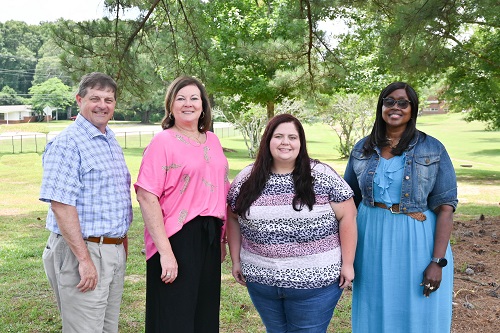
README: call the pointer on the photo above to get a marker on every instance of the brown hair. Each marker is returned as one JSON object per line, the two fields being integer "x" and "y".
{"x": 205, "y": 119}
{"x": 303, "y": 180}
{"x": 97, "y": 80}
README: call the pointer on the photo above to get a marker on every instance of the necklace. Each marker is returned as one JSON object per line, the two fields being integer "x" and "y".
{"x": 392, "y": 142}
{"x": 192, "y": 140}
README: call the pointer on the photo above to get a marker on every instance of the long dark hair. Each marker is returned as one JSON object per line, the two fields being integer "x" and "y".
{"x": 302, "y": 179}
{"x": 205, "y": 120}
{"x": 378, "y": 137}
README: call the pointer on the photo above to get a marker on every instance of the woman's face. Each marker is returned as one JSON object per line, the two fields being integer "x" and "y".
{"x": 187, "y": 105}
{"x": 285, "y": 144}
{"x": 395, "y": 115}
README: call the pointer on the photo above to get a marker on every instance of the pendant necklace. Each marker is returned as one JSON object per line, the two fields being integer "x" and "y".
{"x": 391, "y": 144}
{"x": 192, "y": 140}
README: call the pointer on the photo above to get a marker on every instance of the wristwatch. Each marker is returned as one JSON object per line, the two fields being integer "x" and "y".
{"x": 442, "y": 262}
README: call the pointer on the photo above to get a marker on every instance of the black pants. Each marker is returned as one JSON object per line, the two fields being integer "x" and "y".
{"x": 191, "y": 303}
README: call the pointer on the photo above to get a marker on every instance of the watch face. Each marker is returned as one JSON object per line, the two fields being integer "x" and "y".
{"x": 442, "y": 262}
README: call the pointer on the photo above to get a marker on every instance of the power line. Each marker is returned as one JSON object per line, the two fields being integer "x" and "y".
{"x": 18, "y": 72}
{"x": 17, "y": 57}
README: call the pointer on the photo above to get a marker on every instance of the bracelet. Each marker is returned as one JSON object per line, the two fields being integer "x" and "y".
{"x": 224, "y": 240}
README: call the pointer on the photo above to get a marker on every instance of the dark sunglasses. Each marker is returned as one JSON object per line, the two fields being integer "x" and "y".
{"x": 389, "y": 102}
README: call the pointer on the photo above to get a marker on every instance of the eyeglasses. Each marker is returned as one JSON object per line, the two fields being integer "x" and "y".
{"x": 389, "y": 102}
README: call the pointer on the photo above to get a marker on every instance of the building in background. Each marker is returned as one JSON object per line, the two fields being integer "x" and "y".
{"x": 434, "y": 106}
{"x": 14, "y": 114}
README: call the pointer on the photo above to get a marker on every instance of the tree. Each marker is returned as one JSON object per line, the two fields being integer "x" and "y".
{"x": 251, "y": 119}
{"x": 351, "y": 116}
{"x": 53, "y": 93}
{"x": 264, "y": 51}
{"x": 102, "y": 45}
{"x": 19, "y": 44}
{"x": 144, "y": 109}
{"x": 473, "y": 85}
{"x": 260, "y": 51}
{"x": 426, "y": 41}
{"x": 8, "y": 96}
{"x": 49, "y": 65}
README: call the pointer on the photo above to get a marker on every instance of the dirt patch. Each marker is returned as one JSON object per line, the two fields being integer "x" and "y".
{"x": 476, "y": 301}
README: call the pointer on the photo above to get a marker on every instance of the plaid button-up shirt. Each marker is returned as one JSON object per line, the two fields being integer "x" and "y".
{"x": 85, "y": 168}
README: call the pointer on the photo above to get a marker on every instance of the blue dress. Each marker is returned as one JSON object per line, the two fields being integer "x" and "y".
{"x": 392, "y": 253}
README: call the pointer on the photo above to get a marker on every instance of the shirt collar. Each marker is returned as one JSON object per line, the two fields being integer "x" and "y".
{"x": 91, "y": 130}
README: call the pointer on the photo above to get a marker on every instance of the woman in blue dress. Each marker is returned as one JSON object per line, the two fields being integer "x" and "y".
{"x": 406, "y": 193}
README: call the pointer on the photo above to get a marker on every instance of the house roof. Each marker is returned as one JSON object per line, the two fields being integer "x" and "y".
{"x": 15, "y": 108}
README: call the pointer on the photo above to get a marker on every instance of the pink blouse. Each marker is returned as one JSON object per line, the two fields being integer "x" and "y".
{"x": 189, "y": 178}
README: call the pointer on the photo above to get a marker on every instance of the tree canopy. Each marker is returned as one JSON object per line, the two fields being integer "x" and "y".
{"x": 52, "y": 93}
{"x": 263, "y": 51}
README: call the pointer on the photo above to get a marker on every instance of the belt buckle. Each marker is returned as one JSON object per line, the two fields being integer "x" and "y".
{"x": 393, "y": 212}
{"x": 101, "y": 240}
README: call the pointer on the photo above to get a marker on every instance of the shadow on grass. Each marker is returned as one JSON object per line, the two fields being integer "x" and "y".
{"x": 471, "y": 211}
{"x": 478, "y": 177}
{"x": 487, "y": 152}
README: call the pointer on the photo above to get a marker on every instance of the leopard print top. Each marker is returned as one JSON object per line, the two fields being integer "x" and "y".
{"x": 285, "y": 248}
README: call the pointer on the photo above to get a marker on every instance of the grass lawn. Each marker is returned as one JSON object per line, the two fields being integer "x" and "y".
{"x": 27, "y": 303}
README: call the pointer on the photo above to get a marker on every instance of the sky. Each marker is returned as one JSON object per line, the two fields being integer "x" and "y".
{"x": 36, "y": 11}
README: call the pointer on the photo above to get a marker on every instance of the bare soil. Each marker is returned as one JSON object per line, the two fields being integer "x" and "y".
{"x": 476, "y": 301}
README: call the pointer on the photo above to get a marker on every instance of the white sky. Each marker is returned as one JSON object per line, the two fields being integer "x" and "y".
{"x": 36, "y": 11}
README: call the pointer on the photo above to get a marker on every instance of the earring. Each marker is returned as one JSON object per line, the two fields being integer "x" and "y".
{"x": 202, "y": 114}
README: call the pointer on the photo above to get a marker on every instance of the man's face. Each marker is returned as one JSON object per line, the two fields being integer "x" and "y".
{"x": 97, "y": 106}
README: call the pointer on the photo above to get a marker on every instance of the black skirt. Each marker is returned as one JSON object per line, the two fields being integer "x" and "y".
{"x": 191, "y": 303}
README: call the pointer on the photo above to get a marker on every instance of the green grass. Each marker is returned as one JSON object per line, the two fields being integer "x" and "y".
{"x": 33, "y": 137}
{"x": 27, "y": 303}
{"x": 476, "y": 157}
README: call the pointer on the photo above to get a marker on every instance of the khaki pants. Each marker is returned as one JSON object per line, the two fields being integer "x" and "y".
{"x": 93, "y": 311}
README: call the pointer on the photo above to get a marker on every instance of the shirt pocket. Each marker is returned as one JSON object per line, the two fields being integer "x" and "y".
{"x": 93, "y": 180}
{"x": 427, "y": 166}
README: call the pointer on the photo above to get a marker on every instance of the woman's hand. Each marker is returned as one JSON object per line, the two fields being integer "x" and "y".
{"x": 433, "y": 274}
{"x": 346, "y": 276}
{"x": 432, "y": 278}
{"x": 153, "y": 220}
{"x": 345, "y": 212}
{"x": 169, "y": 268}
{"x": 238, "y": 276}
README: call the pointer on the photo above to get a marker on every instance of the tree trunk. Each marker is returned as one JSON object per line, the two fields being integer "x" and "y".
{"x": 145, "y": 117}
{"x": 270, "y": 110}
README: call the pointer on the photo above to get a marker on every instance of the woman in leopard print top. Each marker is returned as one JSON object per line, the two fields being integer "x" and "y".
{"x": 288, "y": 216}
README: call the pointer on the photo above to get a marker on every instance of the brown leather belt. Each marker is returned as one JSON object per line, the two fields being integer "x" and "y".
{"x": 419, "y": 216}
{"x": 106, "y": 240}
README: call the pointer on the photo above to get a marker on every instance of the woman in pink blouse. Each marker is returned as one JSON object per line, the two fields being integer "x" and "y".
{"x": 181, "y": 189}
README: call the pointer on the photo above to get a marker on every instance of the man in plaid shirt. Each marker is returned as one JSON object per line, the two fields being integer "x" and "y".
{"x": 87, "y": 183}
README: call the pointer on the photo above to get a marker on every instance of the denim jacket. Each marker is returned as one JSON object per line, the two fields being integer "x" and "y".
{"x": 429, "y": 179}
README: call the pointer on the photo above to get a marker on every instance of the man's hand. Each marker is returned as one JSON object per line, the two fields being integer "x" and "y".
{"x": 88, "y": 276}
